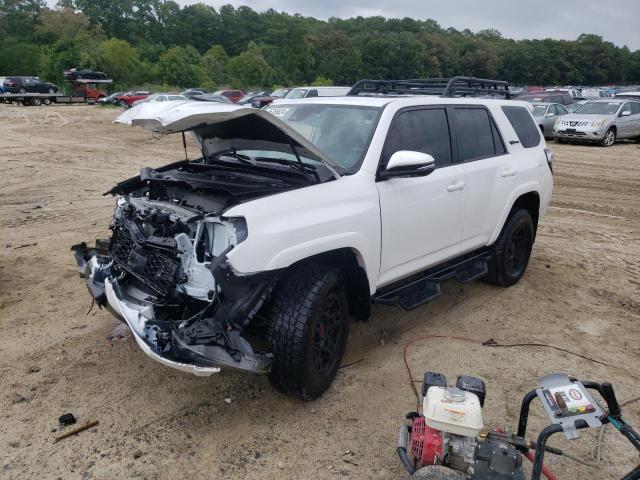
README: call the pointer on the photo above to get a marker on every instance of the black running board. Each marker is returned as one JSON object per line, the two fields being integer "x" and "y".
{"x": 418, "y": 291}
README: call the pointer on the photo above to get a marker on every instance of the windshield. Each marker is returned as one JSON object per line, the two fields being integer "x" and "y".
{"x": 296, "y": 93}
{"x": 341, "y": 131}
{"x": 538, "y": 110}
{"x": 598, "y": 108}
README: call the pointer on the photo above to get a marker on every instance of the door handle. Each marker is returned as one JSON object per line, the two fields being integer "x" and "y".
{"x": 455, "y": 186}
{"x": 508, "y": 172}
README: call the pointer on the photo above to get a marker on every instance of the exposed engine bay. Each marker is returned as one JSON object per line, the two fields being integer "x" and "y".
{"x": 164, "y": 269}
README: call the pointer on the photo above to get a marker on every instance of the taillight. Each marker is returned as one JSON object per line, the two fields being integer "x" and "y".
{"x": 550, "y": 157}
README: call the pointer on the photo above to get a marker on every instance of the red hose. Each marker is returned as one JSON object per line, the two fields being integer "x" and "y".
{"x": 545, "y": 471}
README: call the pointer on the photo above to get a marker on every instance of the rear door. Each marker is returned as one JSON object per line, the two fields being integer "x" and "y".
{"x": 489, "y": 170}
{"x": 421, "y": 217}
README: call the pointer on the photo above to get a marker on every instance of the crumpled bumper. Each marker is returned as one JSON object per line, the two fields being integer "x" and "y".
{"x": 200, "y": 360}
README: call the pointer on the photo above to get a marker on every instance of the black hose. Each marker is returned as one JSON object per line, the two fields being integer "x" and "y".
{"x": 403, "y": 435}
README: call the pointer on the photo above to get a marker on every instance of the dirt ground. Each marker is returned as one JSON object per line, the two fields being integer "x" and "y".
{"x": 581, "y": 292}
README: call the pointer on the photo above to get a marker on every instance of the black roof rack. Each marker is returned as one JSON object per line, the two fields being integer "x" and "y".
{"x": 444, "y": 87}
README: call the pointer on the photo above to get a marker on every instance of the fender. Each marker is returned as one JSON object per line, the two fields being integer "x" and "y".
{"x": 529, "y": 187}
{"x": 291, "y": 226}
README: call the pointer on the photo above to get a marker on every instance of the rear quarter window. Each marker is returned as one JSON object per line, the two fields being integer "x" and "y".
{"x": 522, "y": 122}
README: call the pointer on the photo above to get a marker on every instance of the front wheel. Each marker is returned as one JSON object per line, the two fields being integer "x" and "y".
{"x": 308, "y": 330}
{"x": 609, "y": 138}
{"x": 51, "y": 91}
{"x": 512, "y": 250}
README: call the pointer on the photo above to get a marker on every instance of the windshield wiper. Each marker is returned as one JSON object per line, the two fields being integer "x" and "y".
{"x": 238, "y": 156}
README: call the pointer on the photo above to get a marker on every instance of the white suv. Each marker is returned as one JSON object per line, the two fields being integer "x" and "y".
{"x": 296, "y": 218}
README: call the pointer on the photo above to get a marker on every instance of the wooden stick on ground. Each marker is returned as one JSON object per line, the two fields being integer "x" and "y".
{"x": 76, "y": 430}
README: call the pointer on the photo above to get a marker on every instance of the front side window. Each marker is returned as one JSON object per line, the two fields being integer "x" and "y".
{"x": 474, "y": 133}
{"x": 424, "y": 130}
{"x": 635, "y": 108}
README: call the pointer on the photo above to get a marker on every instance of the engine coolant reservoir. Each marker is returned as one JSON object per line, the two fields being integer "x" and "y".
{"x": 453, "y": 410}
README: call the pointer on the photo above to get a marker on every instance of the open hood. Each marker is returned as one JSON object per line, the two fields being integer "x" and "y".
{"x": 206, "y": 119}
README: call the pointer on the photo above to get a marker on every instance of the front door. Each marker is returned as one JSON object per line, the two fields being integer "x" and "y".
{"x": 421, "y": 216}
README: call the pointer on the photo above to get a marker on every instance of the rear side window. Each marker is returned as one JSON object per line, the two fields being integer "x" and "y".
{"x": 475, "y": 134}
{"x": 523, "y": 124}
{"x": 424, "y": 130}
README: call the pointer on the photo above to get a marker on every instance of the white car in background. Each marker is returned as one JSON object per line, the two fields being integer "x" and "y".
{"x": 162, "y": 97}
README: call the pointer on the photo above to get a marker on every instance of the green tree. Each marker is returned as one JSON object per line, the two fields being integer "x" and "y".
{"x": 121, "y": 61}
{"x": 215, "y": 65}
{"x": 250, "y": 68}
{"x": 180, "y": 66}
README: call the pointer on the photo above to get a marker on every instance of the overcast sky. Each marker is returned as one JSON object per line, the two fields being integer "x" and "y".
{"x": 617, "y": 22}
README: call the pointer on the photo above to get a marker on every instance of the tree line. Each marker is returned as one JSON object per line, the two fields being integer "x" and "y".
{"x": 159, "y": 42}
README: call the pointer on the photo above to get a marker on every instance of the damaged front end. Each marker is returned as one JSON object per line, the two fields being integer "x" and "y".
{"x": 164, "y": 271}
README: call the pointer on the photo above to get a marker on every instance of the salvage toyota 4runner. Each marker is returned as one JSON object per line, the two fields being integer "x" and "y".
{"x": 297, "y": 218}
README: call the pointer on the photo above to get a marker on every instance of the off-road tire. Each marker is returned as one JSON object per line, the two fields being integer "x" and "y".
{"x": 609, "y": 138}
{"x": 310, "y": 296}
{"x": 437, "y": 472}
{"x": 512, "y": 250}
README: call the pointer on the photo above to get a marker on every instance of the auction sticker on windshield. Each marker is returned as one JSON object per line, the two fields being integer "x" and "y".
{"x": 277, "y": 112}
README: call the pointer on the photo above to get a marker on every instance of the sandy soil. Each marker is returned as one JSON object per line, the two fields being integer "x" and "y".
{"x": 581, "y": 292}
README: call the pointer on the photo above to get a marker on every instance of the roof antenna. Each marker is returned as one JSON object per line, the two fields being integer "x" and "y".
{"x": 184, "y": 145}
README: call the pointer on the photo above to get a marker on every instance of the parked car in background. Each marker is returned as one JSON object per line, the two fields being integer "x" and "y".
{"x": 109, "y": 99}
{"x": 543, "y": 97}
{"x": 191, "y": 92}
{"x": 233, "y": 95}
{"x": 2, "y": 87}
{"x": 309, "y": 92}
{"x": 248, "y": 98}
{"x": 260, "y": 102}
{"x": 28, "y": 85}
{"x": 574, "y": 92}
{"x": 162, "y": 97}
{"x": 592, "y": 93}
{"x": 546, "y": 115}
{"x": 128, "y": 98}
{"x": 84, "y": 73}
{"x": 602, "y": 121}
{"x": 210, "y": 97}
{"x": 635, "y": 95}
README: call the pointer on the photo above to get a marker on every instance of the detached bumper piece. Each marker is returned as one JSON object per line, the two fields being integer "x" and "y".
{"x": 132, "y": 277}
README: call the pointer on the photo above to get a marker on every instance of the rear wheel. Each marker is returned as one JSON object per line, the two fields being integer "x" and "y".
{"x": 512, "y": 250}
{"x": 308, "y": 330}
{"x": 609, "y": 138}
{"x": 22, "y": 90}
{"x": 36, "y": 102}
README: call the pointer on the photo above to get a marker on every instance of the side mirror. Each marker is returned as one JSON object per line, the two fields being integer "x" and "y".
{"x": 626, "y": 113}
{"x": 406, "y": 163}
